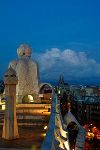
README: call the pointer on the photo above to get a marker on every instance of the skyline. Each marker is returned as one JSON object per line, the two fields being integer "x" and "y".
{"x": 66, "y": 31}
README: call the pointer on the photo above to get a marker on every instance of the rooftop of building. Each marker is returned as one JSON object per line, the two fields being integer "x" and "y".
{"x": 88, "y": 99}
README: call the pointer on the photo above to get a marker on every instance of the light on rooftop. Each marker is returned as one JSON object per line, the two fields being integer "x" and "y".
{"x": 45, "y": 127}
{"x": 58, "y": 91}
{"x": 30, "y": 97}
{"x": 3, "y": 107}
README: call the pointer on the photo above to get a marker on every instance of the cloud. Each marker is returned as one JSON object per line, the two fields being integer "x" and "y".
{"x": 73, "y": 65}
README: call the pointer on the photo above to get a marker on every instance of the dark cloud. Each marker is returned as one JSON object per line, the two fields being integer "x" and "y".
{"x": 74, "y": 65}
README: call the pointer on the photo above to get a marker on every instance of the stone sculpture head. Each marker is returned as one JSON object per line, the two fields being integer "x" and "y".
{"x": 24, "y": 51}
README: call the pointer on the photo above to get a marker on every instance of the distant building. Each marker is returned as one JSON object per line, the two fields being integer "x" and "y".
{"x": 85, "y": 102}
{"x": 62, "y": 86}
{"x": 75, "y": 90}
{"x": 85, "y": 90}
{"x": 87, "y": 109}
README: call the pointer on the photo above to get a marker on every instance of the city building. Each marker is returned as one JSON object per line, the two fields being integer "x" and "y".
{"x": 88, "y": 107}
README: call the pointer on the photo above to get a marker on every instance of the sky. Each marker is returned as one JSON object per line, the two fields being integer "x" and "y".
{"x": 64, "y": 36}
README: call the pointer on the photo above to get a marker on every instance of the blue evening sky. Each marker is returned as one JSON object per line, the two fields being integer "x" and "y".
{"x": 46, "y": 24}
